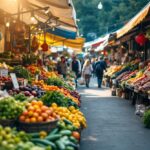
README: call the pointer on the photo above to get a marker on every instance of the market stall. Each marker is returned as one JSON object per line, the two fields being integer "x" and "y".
{"x": 39, "y": 109}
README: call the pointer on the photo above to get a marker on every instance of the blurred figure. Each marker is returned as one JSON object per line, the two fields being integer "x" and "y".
{"x": 100, "y": 66}
{"x": 87, "y": 72}
{"x": 93, "y": 62}
{"x": 76, "y": 68}
{"x": 62, "y": 67}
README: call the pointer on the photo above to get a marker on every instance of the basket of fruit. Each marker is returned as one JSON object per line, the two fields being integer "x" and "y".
{"x": 38, "y": 117}
{"x": 38, "y": 126}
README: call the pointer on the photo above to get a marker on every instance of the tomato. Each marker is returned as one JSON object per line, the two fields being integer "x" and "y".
{"x": 76, "y": 135}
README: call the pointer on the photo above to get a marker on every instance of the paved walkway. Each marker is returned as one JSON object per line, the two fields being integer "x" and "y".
{"x": 112, "y": 124}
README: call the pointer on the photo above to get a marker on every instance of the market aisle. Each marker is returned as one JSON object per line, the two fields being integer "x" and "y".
{"x": 112, "y": 124}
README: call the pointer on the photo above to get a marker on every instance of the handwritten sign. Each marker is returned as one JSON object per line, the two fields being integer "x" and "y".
{"x": 14, "y": 80}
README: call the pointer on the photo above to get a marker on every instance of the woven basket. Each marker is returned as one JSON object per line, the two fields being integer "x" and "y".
{"x": 37, "y": 127}
{"x": 10, "y": 123}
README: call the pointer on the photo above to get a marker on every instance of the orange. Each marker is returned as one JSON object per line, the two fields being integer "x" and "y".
{"x": 33, "y": 120}
{"x": 31, "y": 108}
{"x": 25, "y": 113}
{"x": 44, "y": 108}
{"x": 40, "y": 103}
{"x": 35, "y": 114}
{"x": 38, "y": 111}
{"x": 30, "y": 113}
{"x": 22, "y": 118}
{"x": 76, "y": 135}
{"x": 34, "y": 102}
{"x": 44, "y": 115}
{"x": 40, "y": 119}
{"x": 36, "y": 107}
{"x": 27, "y": 120}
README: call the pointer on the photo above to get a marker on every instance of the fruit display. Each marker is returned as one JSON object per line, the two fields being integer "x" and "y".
{"x": 37, "y": 112}
{"x": 28, "y": 91}
{"x": 11, "y": 139}
{"x": 10, "y": 108}
{"x": 47, "y": 106}
{"x": 72, "y": 114}
{"x": 46, "y": 87}
{"x": 58, "y": 98}
{"x": 60, "y": 138}
{"x": 22, "y": 72}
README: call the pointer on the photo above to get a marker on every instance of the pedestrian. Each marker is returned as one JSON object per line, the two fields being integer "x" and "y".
{"x": 93, "y": 61}
{"x": 100, "y": 66}
{"x": 62, "y": 67}
{"x": 76, "y": 68}
{"x": 87, "y": 72}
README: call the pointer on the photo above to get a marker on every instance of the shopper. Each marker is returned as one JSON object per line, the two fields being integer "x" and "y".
{"x": 99, "y": 69}
{"x": 62, "y": 67}
{"x": 93, "y": 61}
{"x": 76, "y": 68}
{"x": 87, "y": 72}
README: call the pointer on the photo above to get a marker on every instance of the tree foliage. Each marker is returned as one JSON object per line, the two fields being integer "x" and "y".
{"x": 115, "y": 13}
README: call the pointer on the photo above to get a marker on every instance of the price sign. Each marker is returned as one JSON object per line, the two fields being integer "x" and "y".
{"x": 4, "y": 72}
{"x": 14, "y": 80}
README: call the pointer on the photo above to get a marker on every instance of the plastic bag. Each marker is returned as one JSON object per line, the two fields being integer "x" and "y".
{"x": 81, "y": 81}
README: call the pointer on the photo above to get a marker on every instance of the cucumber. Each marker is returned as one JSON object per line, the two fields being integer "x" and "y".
{"x": 53, "y": 137}
{"x": 67, "y": 121}
{"x": 34, "y": 135}
{"x": 54, "y": 131}
{"x": 69, "y": 148}
{"x": 74, "y": 140}
{"x": 60, "y": 145}
{"x": 65, "y": 132}
{"x": 44, "y": 142}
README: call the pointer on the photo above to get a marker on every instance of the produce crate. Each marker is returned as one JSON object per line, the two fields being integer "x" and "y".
{"x": 10, "y": 123}
{"x": 37, "y": 127}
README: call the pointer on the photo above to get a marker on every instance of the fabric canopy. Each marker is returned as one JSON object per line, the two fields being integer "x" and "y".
{"x": 134, "y": 21}
{"x": 61, "y": 14}
{"x": 54, "y": 40}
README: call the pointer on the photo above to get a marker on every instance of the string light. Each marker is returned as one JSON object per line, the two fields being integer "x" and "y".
{"x": 7, "y": 24}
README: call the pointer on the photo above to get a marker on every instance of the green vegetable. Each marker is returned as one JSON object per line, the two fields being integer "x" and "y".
{"x": 34, "y": 135}
{"x": 60, "y": 145}
{"x": 146, "y": 119}
{"x": 74, "y": 140}
{"x": 54, "y": 131}
{"x": 69, "y": 148}
{"x": 65, "y": 132}
{"x": 44, "y": 142}
{"x": 67, "y": 121}
{"x": 58, "y": 98}
{"x": 53, "y": 137}
{"x": 20, "y": 97}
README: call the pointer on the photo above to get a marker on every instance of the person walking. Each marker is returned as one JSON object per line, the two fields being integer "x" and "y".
{"x": 62, "y": 67}
{"x": 76, "y": 68}
{"x": 87, "y": 72}
{"x": 100, "y": 66}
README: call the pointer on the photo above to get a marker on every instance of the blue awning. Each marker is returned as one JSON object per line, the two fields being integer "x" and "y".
{"x": 63, "y": 33}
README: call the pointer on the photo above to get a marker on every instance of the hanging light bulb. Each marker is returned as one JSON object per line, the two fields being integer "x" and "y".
{"x": 7, "y": 24}
{"x": 100, "y": 6}
{"x": 32, "y": 16}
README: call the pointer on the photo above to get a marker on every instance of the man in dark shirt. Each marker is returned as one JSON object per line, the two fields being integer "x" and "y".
{"x": 76, "y": 68}
{"x": 100, "y": 66}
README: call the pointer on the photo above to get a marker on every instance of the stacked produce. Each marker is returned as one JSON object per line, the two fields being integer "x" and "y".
{"x": 42, "y": 104}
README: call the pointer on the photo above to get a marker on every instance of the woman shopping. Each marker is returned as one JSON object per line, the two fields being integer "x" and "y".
{"x": 87, "y": 72}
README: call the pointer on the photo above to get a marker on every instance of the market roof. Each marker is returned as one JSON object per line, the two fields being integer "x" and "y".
{"x": 54, "y": 40}
{"x": 134, "y": 21}
{"x": 61, "y": 12}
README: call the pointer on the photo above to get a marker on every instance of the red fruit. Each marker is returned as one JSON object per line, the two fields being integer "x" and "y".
{"x": 22, "y": 118}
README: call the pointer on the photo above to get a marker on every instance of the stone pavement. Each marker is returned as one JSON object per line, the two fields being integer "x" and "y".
{"x": 112, "y": 124}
